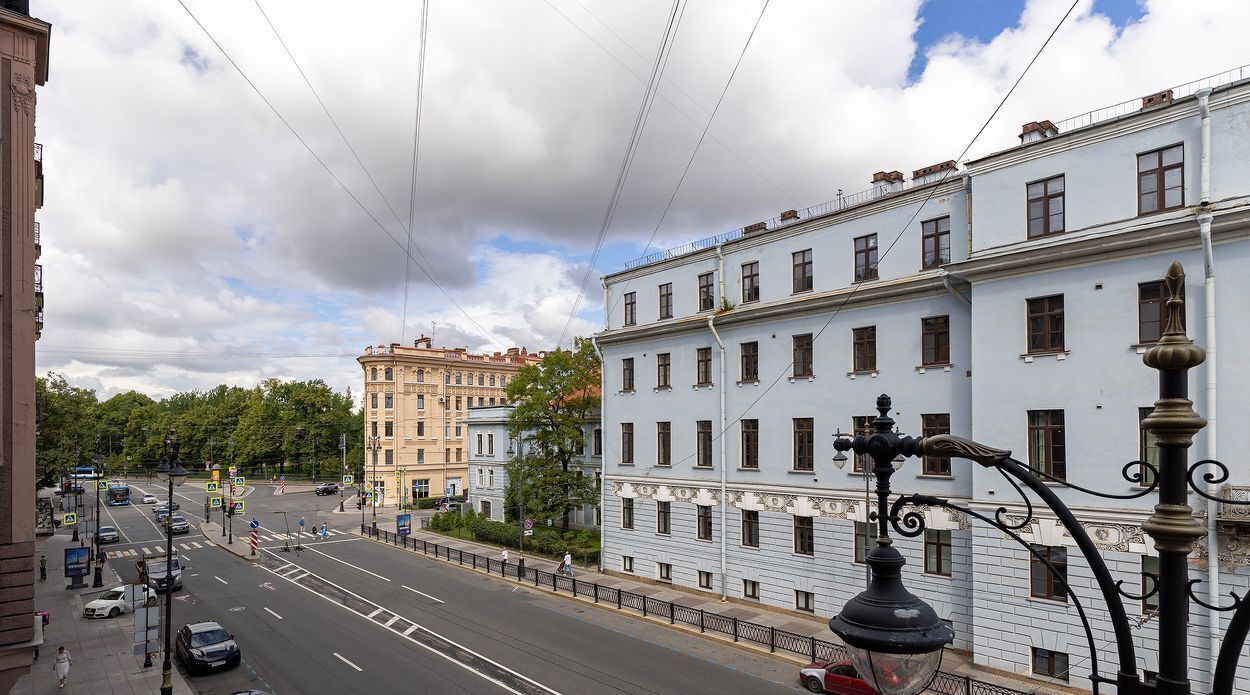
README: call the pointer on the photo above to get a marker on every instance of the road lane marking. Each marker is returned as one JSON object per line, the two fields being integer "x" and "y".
{"x": 423, "y": 594}
{"x": 272, "y": 613}
{"x": 415, "y": 626}
{"x": 370, "y": 616}
{"x": 355, "y": 567}
{"x": 220, "y": 579}
{"x": 340, "y": 656}
{"x": 392, "y": 621}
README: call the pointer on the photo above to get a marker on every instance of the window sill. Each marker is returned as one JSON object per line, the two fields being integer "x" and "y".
{"x": 797, "y": 377}
{"x": 946, "y": 367}
{"x": 871, "y": 373}
{"x": 658, "y": 389}
{"x": 1059, "y": 355}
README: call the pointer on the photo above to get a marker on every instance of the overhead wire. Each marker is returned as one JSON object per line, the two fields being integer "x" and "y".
{"x": 416, "y": 150}
{"x": 335, "y": 177}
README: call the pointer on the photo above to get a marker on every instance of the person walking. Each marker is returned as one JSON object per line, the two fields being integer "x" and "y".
{"x": 43, "y": 567}
{"x": 568, "y": 564}
{"x": 61, "y": 666}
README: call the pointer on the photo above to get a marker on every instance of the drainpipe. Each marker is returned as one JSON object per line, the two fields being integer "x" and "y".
{"x": 724, "y": 513}
{"x": 1208, "y": 261}
{"x": 603, "y": 458}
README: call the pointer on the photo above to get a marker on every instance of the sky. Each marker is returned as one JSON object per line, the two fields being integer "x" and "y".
{"x": 191, "y": 236}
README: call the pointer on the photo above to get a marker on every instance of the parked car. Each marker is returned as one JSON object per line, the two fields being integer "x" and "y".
{"x": 178, "y": 524}
{"x": 327, "y": 489}
{"x": 149, "y": 498}
{"x": 118, "y": 600}
{"x": 108, "y": 534}
{"x": 207, "y": 646}
{"x": 837, "y": 677}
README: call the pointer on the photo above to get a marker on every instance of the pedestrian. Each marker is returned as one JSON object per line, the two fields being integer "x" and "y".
{"x": 43, "y": 567}
{"x": 61, "y": 666}
{"x": 568, "y": 564}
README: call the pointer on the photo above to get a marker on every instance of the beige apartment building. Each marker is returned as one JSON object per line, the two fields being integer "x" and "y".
{"x": 417, "y": 401}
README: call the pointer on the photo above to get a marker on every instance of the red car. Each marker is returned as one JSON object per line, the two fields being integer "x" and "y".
{"x": 838, "y": 677}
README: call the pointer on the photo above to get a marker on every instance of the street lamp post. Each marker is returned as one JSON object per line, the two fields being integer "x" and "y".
{"x": 896, "y": 640}
{"x": 520, "y": 562}
{"x": 170, "y": 471}
{"x": 98, "y": 580}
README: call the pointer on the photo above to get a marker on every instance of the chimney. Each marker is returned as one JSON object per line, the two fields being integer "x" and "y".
{"x": 886, "y": 182}
{"x": 753, "y": 228}
{"x": 1157, "y": 99}
{"x": 933, "y": 172}
{"x": 790, "y": 216}
{"x": 1037, "y": 130}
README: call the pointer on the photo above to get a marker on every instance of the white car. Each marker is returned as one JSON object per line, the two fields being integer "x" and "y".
{"x": 150, "y": 499}
{"x": 120, "y": 599}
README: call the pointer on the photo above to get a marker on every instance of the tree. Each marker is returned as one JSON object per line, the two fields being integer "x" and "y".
{"x": 554, "y": 401}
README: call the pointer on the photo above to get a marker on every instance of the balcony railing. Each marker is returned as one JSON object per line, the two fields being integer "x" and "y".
{"x": 1235, "y": 512}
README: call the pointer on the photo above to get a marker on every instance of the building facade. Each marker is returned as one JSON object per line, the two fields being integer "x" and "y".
{"x": 417, "y": 401}
{"x": 1009, "y": 302}
{"x": 23, "y": 67}
{"x": 488, "y": 473}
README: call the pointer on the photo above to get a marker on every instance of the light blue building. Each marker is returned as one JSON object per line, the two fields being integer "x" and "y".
{"x": 1010, "y": 301}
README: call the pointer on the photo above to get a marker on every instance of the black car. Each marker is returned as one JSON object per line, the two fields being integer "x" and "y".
{"x": 206, "y": 646}
{"x": 327, "y": 489}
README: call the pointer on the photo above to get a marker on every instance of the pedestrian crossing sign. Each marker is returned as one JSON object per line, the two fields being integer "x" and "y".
{"x": 214, "y": 502}
{"x": 210, "y": 487}
{"x": 70, "y": 519}
{"x": 239, "y": 481}
{"x": 237, "y": 507}
{"x": 347, "y": 480}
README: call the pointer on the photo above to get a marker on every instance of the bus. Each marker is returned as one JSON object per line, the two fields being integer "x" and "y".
{"x": 118, "y": 495}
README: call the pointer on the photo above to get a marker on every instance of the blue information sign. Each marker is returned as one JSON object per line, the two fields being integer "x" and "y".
{"x": 403, "y": 524}
{"x": 77, "y": 563}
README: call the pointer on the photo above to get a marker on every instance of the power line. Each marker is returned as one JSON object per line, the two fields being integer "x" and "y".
{"x": 932, "y": 191}
{"x": 416, "y": 149}
{"x": 333, "y": 176}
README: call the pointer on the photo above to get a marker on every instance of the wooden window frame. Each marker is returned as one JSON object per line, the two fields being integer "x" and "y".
{"x": 703, "y": 444}
{"x": 1045, "y": 200}
{"x": 931, "y": 230}
{"x": 933, "y": 538}
{"x": 803, "y": 347}
{"x": 750, "y": 458}
{"x": 804, "y": 531}
{"x": 627, "y": 442}
{"x": 866, "y": 258}
{"x": 751, "y": 282}
{"x": 631, "y": 309}
{"x": 864, "y": 349}
{"x": 1052, "y": 589}
{"x": 802, "y": 278}
{"x": 750, "y": 522}
{"x": 750, "y": 360}
{"x": 935, "y": 341}
{"x": 1048, "y": 430}
{"x": 932, "y": 424}
{"x": 1044, "y": 312}
{"x": 804, "y": 455}
{"x": 1159, "y": 173}
{"x": 703, "y": 366}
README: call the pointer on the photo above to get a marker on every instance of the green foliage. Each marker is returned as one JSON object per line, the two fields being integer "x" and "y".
{"x": 554, "y": 401}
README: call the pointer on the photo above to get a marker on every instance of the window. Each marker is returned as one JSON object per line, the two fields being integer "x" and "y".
{"x": 705, "y": 580}
{"x": 1152, "y": 311}
{"x": 935, "y": 341}
{"x": 373, "y": 402}
{"x": 389, "y": 429}
{"x": 390, "y": 401}
{"x": 663, "y": 370}
{"x": 750, "y": 444}
{"x": 1161, "y": 180}
{"x": 1042, "y": 582}
{"x": 1149, "y": 577}
{"x": 1045, "y": 207}
{"x": 631, "y": 308}
{"x": 1046, "y": 324}
{"x": 703, "y": 443}
{"x": 937, "y": 552}
{"x": 627, "y": 512}
{"x": 805, "y": 601}
{"x": 420, "y": 401}
{"x": 750, "y": 589}
{"x": 802, "y": 354}
{"x": 1050, "y": 664}
{"x": 866, "y": 258}
{"x": 1046, "y": 443}
{"x": 750, "y": 528}
{"x": 932, "y": 425}
{"x": 663, "y": 443}
{"x": 420, "y": 428}
{"x": 704, "y": 517}
{"x": 664, "y": 571}
{"x": 862, "y": 424}
{"x": 935, "y": 242}
{"x": 865, "y": 349}
{"x": 804, "y": 444}
{"x": 663, "y": 517}
{"x": 373, "y": 374}
{"x": 666, "y": 300}
{"x": 703, "y": 358}
{"x": 751, "y": 281}
{"x": 802, "y": 261}
{"x": 389, "y": 375}
{"x": 598, "y": 450}
{"x": 627, "y": 374}
{"x": 750, "y": 361}
{"x": 1147, "y": 448}
{"x": 627, "y": 442}
{"x": 707, "y": 296}
{"x": 863, "y": 542}
{"x": 804, "y": 535}
{"x": 627, "y": 563}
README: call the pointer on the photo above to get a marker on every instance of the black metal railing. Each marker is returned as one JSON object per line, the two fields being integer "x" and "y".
{"x": 737, "y": 630}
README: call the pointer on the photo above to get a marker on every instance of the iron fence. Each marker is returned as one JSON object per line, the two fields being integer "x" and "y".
{"x": 736, "y": 629}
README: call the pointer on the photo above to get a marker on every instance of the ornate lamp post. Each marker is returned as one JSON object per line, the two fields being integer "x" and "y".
{"x": 172, "y": 472}
{"x": 895, "y": 639}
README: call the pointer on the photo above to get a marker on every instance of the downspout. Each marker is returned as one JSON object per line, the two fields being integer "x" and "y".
{"x": 1209, "y": 411}
{"x": 724, "y": 513}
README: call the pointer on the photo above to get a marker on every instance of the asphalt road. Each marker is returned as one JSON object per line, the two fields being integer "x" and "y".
{"x": 350, "y": 615}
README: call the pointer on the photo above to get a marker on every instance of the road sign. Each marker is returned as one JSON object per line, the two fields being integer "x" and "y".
{"x": 214, "y": 502}
{"x": 239, "y": 480}
{"x": 237, "y": 507}
{"x": 529, "y": 532}
{"x": 70, "y": 519}
{"x": 529, "y": 524}
{"x": 255, "y": 523}
{"x": 101, "y": 485}
{"x": 347, "y": 480}
{"x": 210, "y": 487}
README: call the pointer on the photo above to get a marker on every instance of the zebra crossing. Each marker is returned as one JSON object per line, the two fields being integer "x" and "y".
{"x": 195, "y": 545}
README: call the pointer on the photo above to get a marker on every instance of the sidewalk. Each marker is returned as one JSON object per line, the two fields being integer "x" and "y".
{"x": 955, "y": 663}
{"x": 103, "y": 656}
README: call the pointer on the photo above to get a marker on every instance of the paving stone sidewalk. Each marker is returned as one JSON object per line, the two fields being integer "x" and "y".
{"x": 104, "y": 662}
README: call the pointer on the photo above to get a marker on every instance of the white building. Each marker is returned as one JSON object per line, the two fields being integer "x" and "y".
{"x": 1010, "y": 303}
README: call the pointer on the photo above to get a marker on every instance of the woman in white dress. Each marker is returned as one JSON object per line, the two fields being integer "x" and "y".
{"x": 61, "y": 667}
